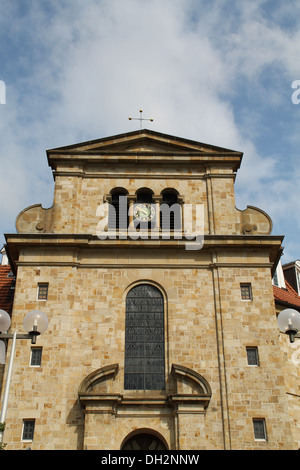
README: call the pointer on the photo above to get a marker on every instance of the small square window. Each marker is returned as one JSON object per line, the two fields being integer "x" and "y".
{"x": 36, "y": 357}
{"x": 43, "y": 291}
{"x": 252, "y": 356}
{"x": 28, "y": 429}
{"x": 246, "y": 292}
{"x": 259, "y": 426}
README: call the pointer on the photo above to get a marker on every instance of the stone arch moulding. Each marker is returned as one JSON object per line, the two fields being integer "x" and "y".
{"x": 191, "y": 387}
{"x": 144, "y": 189}
{"x": 191, "y": 391}
{"x": 133, "y": 284}
{"x": 89, "y": 384}
{"x": 169, "y": 189}
{"x": 145, "y": 431}
{"x": 119, "y": 190}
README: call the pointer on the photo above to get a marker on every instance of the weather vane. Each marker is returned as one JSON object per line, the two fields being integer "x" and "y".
{"x": 141, "y": 119}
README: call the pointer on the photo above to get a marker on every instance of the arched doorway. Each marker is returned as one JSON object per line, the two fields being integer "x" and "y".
{"x": 144, "y": 440}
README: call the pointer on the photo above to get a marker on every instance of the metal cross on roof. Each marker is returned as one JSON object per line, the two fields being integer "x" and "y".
{"x": 141, "y": 119}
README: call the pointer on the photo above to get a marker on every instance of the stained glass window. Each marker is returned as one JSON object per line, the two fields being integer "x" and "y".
{"x": 144, "y": 339}
{"x": 246, "y": 292}
{"x": 43, "y": 291}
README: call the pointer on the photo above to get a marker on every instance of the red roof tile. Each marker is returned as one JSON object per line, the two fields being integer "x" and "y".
{"x": 7, "y": 291}
{"x": 288, "y": 295}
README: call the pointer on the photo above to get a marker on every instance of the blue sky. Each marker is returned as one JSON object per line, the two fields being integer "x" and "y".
{"x": 219, "y": 72}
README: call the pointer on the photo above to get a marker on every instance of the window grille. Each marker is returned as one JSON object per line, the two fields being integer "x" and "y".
{"x": 36, "y": 357}
{"x": 259, "y": 427}
{"x": 144, "y": 339}
{"x": 28, "y": 429}
{"x": 246, "y": 292}
{"x": 252, "y": 356}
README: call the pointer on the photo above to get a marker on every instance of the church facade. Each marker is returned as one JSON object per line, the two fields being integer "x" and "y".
{"x": 158, "y": 290}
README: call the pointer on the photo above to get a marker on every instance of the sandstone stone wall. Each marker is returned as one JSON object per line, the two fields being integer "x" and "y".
{"x": 207, "y": 329}
{"x": 212, "y": 395}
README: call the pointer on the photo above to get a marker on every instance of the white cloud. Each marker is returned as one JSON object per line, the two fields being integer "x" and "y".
{"x": 209, "y": 71}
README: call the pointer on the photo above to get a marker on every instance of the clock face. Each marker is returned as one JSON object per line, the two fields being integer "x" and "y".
{"x": 144, "y": 212}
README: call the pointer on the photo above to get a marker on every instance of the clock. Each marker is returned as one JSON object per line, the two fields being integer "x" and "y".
{"x": 144, "y": 212}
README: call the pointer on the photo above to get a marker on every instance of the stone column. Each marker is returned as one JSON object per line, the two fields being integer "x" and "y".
{"x": 131, "y": 200}
{"x": 157, "y": 201}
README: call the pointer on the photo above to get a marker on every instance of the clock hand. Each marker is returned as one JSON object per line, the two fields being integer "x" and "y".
{"x": 144, "y": 211}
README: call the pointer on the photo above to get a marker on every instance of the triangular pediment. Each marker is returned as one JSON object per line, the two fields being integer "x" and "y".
{"x": 142, "y": 141}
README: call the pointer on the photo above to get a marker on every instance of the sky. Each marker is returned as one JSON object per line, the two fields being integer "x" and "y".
{"x": 215, "y": 71}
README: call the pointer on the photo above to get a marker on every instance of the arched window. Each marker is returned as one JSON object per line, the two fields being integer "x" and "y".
{"x": 144, "y": 339}
{"x": 170, "y": 218}
{"x": 118, "y": 209}
{"x": 144, "y": 195}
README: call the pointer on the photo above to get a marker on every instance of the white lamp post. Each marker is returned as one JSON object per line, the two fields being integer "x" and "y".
{"x": 4, "y": 321}
{"x": 35, "y": 323}
{"x": 289, "y": 322}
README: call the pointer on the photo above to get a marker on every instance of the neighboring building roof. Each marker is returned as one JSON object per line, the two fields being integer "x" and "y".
{"x": 7, "y": 288}
{"x": 292, "y": 274}
{"x": 287, "y": 296}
